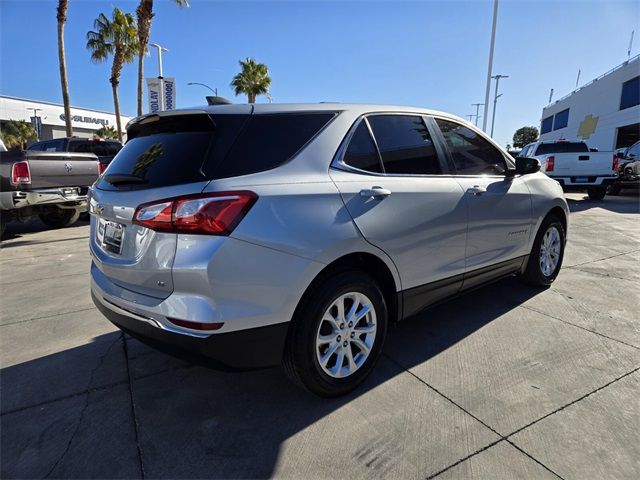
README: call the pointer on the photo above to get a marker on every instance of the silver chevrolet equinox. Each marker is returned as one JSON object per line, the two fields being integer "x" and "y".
{"x": 257, "y": 235}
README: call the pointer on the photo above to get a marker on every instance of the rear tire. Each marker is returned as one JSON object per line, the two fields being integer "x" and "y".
{"x": 547, "y": 253}
{"x": 3, "y": 224}
{"x": 61, "y": 218}
{"x": 596, "y": 193}
{"x": 614, "y": 190}
{"x": 320, "y": 337}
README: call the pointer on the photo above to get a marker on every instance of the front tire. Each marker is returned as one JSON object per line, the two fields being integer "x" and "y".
{"x": 545, "y": 259}
{"x": 60, "y": 218}
{"x": 596, "y": 193}
{"x": 336, "y": 335}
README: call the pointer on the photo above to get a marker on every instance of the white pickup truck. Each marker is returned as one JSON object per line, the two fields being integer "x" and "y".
{"x": 575, "y": 166}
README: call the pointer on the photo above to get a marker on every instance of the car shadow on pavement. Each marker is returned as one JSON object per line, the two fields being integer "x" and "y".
{"x": 15, "y": 230}
{"x": 116, "y": 408}
{"x": 627, "y": 203}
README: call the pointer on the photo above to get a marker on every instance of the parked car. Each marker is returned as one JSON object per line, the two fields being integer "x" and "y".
{"x": 577, "y": 167}
{"x": 105, "y": 150}
{"x": 52, "y": 186}
{"x": 629, "y": 170}
{"x": 255, "y": 235}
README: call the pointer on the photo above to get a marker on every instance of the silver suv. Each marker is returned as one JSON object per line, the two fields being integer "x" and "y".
{"x": 255, "y": 235}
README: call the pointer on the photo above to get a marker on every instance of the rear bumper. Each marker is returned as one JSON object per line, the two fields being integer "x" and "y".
{"x": 243, "y": 349}
{"x": 73, "y": 197}
{"x": 571, "y": 183}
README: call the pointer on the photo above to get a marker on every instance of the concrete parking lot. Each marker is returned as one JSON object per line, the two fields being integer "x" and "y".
{"x": 506, "y": 382}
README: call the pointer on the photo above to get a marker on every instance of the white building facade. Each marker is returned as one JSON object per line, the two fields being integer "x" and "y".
{"x": 50, "y": 117}
{"x": 605, "y": 112}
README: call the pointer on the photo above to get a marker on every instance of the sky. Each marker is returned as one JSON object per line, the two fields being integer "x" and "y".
{"x": 430, "y": 54}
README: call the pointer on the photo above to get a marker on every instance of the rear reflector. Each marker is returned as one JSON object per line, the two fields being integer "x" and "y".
{"x": 616, "y": 163}
{"x": 550, "y": 163}
{"x": 208, "y": 214}
{"x": 203, "y": 327}
{"x": 20, "y": 173}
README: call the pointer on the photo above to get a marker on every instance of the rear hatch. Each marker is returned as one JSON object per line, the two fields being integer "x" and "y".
{"x": 52, "y": 170}
{"x": 176, "y": 155}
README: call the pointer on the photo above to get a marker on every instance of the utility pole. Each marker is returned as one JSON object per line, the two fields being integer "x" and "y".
{"x": 477, "y": 105}
{"x": 495, "y": 100}
{"x": 470, "y": 116}
{"x": 489, "y": 70}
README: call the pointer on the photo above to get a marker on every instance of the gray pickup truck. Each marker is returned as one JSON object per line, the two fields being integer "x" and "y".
{"x": 52, "y": 186}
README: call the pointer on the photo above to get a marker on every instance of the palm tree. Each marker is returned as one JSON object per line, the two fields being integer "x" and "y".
{"x": 106, "y": 132}
{"x": 117, "y": 37}
{"x": 144, "y": 13}
{"x": 61, "y": 16}
{"x": 16, "y": 134}
{"x": 252, "y": 80}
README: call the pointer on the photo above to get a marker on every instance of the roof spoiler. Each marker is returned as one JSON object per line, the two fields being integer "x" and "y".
{"x": 211, "y": 100}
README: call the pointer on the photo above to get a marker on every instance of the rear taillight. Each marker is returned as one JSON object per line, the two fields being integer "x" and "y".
{"x": 20, "y": 173}
{"x": 101, "y": 168}
{"x": 616, "y": 163}
{"x": 550, "y": 163}
{"x": 208, "y": 214}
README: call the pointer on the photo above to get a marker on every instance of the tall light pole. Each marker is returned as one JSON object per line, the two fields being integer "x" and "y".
{"x": 477, "y": 105}
{"x": 160, "y": 50}
{"x": 214, "y": 90}
{"x": 489, "y": 70}
{"x": 495, "y": 100}
{"x": 36, "y": 122}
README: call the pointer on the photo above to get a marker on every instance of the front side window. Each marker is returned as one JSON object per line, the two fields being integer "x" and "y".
{"x": 361, "y": 152}
{"x": 547, "y": 125}
{"x": 405, "y": 144}
{"x": 471, "y": 154}
{"x": 630, "y": 93}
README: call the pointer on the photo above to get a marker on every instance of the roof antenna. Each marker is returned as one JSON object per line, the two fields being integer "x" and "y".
{"x": 630, "y": 45}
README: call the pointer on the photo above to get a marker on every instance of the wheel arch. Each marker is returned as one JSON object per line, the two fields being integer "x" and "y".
{"x": 372, "y": 265}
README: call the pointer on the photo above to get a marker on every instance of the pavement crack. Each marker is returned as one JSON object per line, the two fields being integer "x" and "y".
{"x": 84, "y": 408}
{"x": 580, "y": 326}
{"x": 586, "y": 395}
{"x": 601, "y": 259}
{"x": 136, "y": 425}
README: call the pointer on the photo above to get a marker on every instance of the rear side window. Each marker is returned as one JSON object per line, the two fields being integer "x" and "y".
{"x": 405, "y": 144}
{"x": 472, "y": 154}
{"x": 361, "y": 152}
{"x": 190, "y": 148}
{"x": 562, "y": 147}
{"x": 269, "y": 140}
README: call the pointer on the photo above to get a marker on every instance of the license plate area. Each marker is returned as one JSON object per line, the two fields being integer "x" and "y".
{"x": 582, "y": 179}
{"x": 70, "y": 192}
{"x": 110, "y": 235}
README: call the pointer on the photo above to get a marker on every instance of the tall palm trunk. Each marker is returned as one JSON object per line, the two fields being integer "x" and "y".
{"x": 116, "y": 106}
{"x": 62, "y": 18}
{"x": 144, "y": 14}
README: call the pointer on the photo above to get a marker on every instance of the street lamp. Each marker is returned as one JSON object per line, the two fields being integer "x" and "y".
{"x": 36, "y": 123}
{"x": 495, "y": 100}
{"x": 214, "y": 90}
{"x": 477, "y": 105}
{"x": 491, "y": 48}
{"x": 160, "y": 50}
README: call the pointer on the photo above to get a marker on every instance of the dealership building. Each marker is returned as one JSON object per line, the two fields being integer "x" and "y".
{"x": 605, "y": 112}
{"x": 48, "y": 118}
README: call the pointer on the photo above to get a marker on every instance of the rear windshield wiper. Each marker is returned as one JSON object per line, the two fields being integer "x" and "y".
{"x": 123, "y": 179}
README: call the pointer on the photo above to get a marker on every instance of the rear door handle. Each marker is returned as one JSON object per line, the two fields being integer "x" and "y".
{"x": 375, "y": 192}
{"x": 477, "y": 190}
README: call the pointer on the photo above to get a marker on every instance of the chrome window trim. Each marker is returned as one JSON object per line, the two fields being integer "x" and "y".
{"x": 338, "y": 159}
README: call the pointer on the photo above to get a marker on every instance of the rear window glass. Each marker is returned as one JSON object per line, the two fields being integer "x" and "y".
{"x": 192, "y": 148}
{"x": 266, "y": 142}
{"x": 99, "y": 148}
{"x": 561, "y": 147}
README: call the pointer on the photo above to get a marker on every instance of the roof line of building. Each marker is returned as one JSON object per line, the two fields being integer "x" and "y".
{"x": 617, "y": 67}
{"x": 61, "y": 105}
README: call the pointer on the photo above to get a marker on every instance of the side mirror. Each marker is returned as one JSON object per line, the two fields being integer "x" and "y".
{"x": 526, "y": 165}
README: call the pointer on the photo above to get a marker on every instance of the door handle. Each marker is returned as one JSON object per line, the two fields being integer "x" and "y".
{"x": 375, "y": 192}
{"x": 477, "y": 190}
